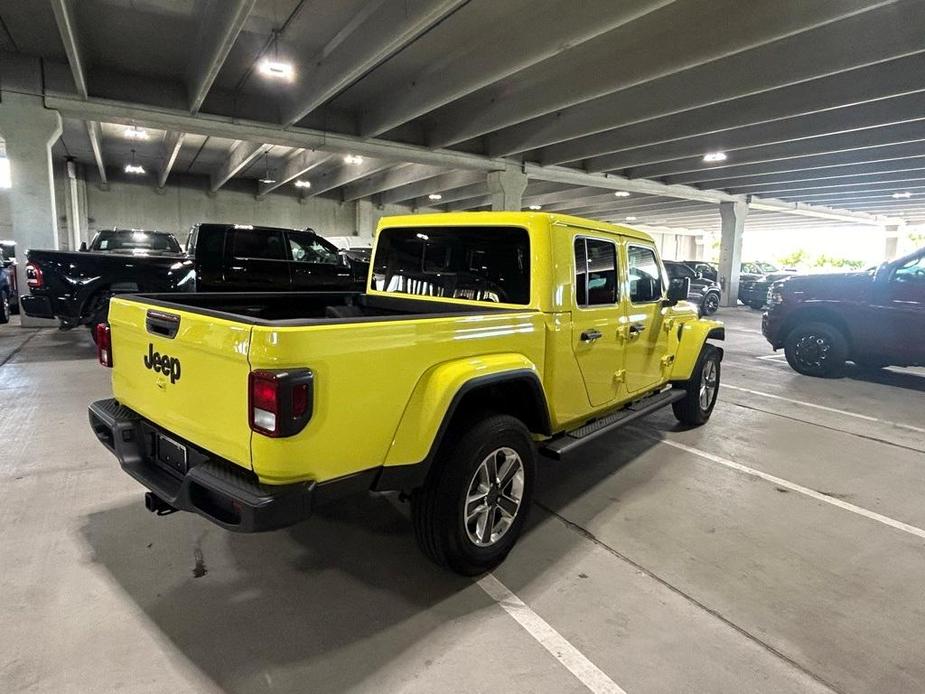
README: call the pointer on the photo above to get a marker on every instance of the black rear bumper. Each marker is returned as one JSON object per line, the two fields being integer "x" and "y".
{"x": 222, "y": 492}
{"x": 36, "y": 306}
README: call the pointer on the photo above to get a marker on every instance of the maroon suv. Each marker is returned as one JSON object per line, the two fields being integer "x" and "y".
{"x": 874, "y": 318}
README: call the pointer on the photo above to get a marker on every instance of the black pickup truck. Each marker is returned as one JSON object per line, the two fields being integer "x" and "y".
{"x": 75, "y": 287}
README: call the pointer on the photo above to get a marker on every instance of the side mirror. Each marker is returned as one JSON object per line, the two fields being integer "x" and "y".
{"x": 700, "y": 275}
{"x": 83, "y": 246}
{"x": 678, "y": 290}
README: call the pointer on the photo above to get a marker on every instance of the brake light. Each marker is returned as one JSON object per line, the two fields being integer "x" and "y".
{"x": 104, "y": 344}
{"x": 279, "y": 402}
{"x": 34, "y": 277}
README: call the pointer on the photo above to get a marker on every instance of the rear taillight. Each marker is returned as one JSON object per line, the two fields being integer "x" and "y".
{"x": 34, "y": 277}
{"x": 280, "y": 402}
{"x": 104, "y": 344}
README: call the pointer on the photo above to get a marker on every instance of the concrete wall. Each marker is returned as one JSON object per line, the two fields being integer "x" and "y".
{"x": 187, "y": 200}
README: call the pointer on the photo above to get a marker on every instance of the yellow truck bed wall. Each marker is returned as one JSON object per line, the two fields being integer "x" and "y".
{"x": 361, "y": 397}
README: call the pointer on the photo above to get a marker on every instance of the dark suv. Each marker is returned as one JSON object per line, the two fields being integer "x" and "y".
{"x": 874, "y": 318}
{"x": 703, "y": 292}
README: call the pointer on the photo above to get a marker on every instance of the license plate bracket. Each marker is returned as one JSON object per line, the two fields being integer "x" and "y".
{"x": 172, "y": 454}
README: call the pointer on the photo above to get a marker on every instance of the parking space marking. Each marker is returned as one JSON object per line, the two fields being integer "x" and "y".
{"x": 792, "y": 486}
{"x": 571, "y": 658}
{"x": 744, "y": 330}
{"x": 776, "y": 358}
{"x": 834, "y": 410}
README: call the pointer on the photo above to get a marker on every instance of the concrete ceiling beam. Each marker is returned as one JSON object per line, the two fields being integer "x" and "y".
{"x": 219, "y": 27}
{"x": 442, "y": 184}
{"x": 296, "y": 166}
{"x": 397, "y": 176}
{"x": 374, "y": 36}
{"x": 242, "y": 153}
{"x": 629, "y": 56}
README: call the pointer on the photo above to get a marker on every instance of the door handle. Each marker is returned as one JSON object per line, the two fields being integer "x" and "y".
{"x": 636, "y": 328}
{"x": 591, "y": 335}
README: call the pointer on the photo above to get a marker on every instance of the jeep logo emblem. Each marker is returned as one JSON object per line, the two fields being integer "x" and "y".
{"x": 162, "y": 364}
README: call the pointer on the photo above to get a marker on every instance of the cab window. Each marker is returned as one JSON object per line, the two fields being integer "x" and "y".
{"x": 644, "y": 275}
{"x": 595, "y": 272}
{"x": 908, "y": 281}
{"x": 308, "y": 248}
{"x": 253, "y": 243}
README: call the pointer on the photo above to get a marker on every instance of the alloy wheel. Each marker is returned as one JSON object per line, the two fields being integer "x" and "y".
{"x": 708, "y": 384}
{"x": 493, "y": 498}
{"x": 812, "y": 351}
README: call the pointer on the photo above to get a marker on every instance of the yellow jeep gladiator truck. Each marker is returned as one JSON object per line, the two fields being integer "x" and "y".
{"x": 482, "y": 340}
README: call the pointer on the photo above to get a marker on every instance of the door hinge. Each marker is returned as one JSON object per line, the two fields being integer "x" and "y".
{"x": 619, "y": 376}
{"x": 667, "y": 360}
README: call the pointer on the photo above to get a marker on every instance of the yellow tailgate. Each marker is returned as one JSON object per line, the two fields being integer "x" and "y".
{"x": 195, "y": 386}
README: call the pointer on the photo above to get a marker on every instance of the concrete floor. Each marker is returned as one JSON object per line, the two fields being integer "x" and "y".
{"x": 778, "y": 549}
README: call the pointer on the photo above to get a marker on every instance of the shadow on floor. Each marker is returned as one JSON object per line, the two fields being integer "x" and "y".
{"x": 899, "y": 378}
{"x": 323, "y": 605}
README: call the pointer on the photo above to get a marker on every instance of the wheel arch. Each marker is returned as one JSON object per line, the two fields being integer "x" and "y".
{"x": 692, "y": 336}
{"x": 512, "y": 387}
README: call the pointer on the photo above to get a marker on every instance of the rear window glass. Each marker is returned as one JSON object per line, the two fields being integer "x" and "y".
{"x": 477, "y": 263}
{"x": 135, "y": 240}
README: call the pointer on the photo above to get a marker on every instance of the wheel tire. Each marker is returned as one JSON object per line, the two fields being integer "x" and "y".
{"x": 816, "y": 349}
{"x": 692, "y": 408}
{"x": 438, "y": 508}
{"x": 757, "y": 305}
{"x": 5, "y": 311}
{"x": 710, "y": 304}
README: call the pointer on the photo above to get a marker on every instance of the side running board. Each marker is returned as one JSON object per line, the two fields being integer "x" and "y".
{"x": 557, "y": 448}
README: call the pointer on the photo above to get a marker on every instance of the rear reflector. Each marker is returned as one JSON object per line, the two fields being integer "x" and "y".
{"x": 280, "y": 402}
{"x": 34, "y": 277}
{"x": 104, "y": 344}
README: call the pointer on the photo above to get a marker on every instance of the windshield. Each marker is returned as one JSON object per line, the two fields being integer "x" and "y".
{"x": 135, "y": 240}
{"x": 767, "y": 267}
{"x": 476, "y": 263}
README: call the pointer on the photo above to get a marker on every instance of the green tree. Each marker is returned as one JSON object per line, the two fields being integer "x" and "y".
{"x": 795, "y": 259}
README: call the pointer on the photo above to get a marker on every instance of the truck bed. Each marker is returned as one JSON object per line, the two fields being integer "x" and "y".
{"x": 309, "y": 308}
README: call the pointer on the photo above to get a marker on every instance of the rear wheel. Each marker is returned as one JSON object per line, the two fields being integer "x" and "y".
{"x": 710, "y": 304}
{"x": 473, "y": 506}
{"x": 5, "y": 311}
{"x": 757, "y": 305}
{"x": 816, "y": 349}
{"x": 701, "y": 389}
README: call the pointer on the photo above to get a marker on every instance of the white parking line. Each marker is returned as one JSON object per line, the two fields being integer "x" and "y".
{"x": 776, "y": 358}
{"x": 574, "y": 660}
{"x": 834, "y": 410}
{"x": 744, "y": 330}
{"x": 792, "y": 486}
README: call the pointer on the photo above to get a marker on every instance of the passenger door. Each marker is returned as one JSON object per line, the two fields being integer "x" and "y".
{"x": 902, "y": 306}
{"x": 646, "y": 340}
{"x": 315, "y": 264}
{"x": 596, "y": 314}
{"x": 256, "y": 261}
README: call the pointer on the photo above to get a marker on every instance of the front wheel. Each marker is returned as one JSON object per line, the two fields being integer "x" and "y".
{"x": 5, "y": 311}
{"x": 701, "y": 389}
{"x": 816, "y": 349}
{"x": 473, "y": 506}
{"x": 710, "y": 304}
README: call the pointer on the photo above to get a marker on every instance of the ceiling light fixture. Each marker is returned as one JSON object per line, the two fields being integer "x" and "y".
{"x": 134, "y": 168}
{"x": 136, "y": 133}
{"x": 535, "y": 207}
{"x": 303, "y": 184}
{"x": 621, "y": 194}
{"x": 713, "y": 157}
{"x": 901, "y": 196}
{"x": 267, "y": 178}
{"x": 276, "y": 68}
{"x": 353, "y": 159}
{"x": 631, "y": 219}
{"x": 435, "y": 197}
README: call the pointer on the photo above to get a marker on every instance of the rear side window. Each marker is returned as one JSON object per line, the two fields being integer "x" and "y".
{"x": 477, "y": 263}
{"x": 595, "y": 272}
{"x": 644, "y": 275}
{"x": 256, "y": 243}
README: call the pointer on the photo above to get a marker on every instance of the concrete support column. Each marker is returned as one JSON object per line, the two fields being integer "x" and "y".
{"x": 507, "y": 190}
{"x": 365, "y": 218}
{"x": 29, "y": 130}
{"x": 733, "y": 216}
{"x": 891, "y": 243}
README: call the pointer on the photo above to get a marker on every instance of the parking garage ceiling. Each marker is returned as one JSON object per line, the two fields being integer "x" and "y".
{"x": 819, "y": 104}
